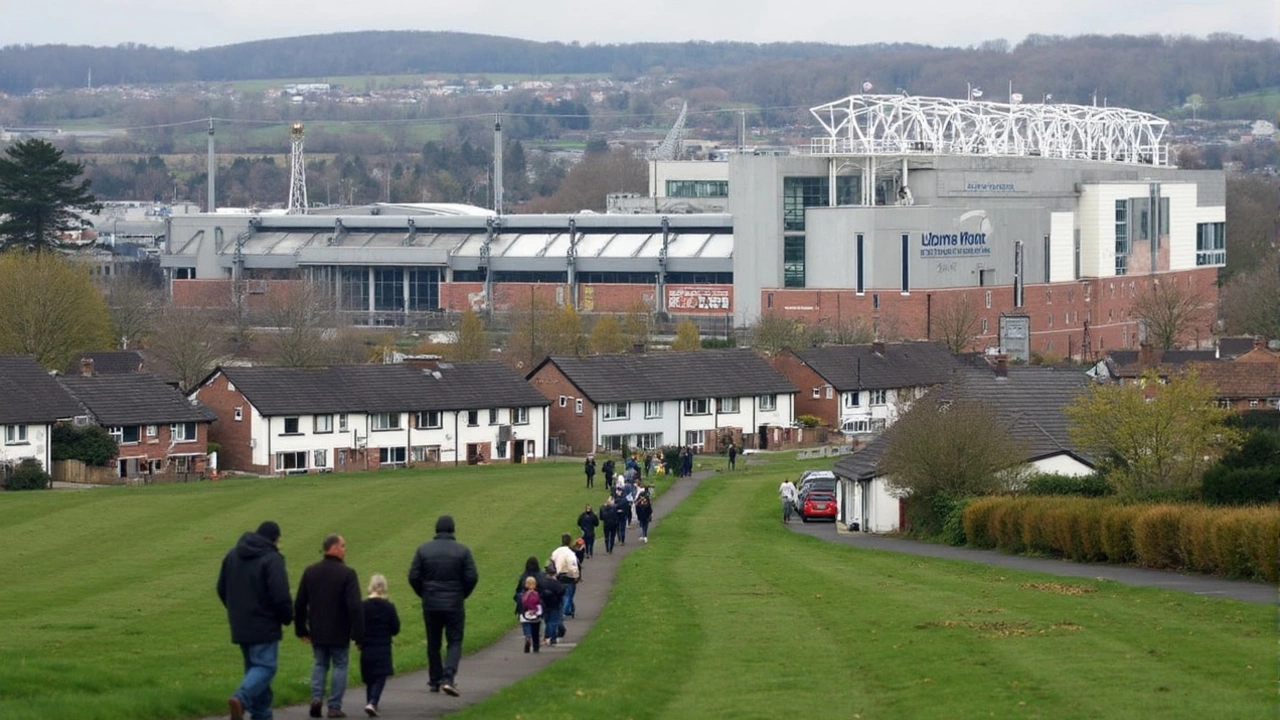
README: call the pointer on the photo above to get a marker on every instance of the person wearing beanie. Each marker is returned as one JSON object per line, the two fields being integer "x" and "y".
{"x": 443, "y": 573}
{"x": 253, "y": 586}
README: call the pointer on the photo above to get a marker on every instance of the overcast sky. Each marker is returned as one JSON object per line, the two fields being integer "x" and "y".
{"x": 190, "y": 24}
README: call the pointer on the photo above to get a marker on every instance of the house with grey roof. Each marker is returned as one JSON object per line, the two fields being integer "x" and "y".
{"x": 362, "y": 417}
{"x": 158, "y": 430}
{"x": 701, "y": 399}
{"x": 1031, "y": 400}
{"x": 861, "y": 389}
{"x": 31, "y": 402}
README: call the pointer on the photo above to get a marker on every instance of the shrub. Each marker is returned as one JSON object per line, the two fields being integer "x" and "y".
{"x": 1155, "y": 536}
{"x": 91, "y": 444}
{"x": 29, "y": 475}
{"x": 1093, "y": 485}
{"x": 951, "y": 514}
{"x": 1117, "y": 532}
{"x": 1195, "y": 538}
{"x": 809, "y": 421}
{"x": 977, "y": 521}
{"x": 1241, "y": 486}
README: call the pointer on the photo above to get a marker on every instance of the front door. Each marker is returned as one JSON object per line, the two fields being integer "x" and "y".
{"x": 763, "y": 434}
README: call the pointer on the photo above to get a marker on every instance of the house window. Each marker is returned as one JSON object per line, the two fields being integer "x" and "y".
{"x": 697, "y": 406}
{"x": 425, "y": 453}
{"x": 500, "y": 451}
{"x": 385, "y": 421}
{"x": 291, "y": 426}
{"x": 296, "y": 461}
{"x": 151, "y": 431}
{"x": 182, "y": 432}
{"x": 817, "y": 393}
{"x": 988, "y": 299}
{"x": 239, "y": 414}
{"x": 391, "y": 456}
{"x": 1253, "y": 404}
{"x": 320, "y": 458}
{"x": 493, "y": 416}
{"x": 853, "y": 399}
{"x": 17, "y": 434}
{"x": 767, "y": 402}
{"x": 879, "y": 397}
{"x": 564, "y": 401}
{"x": 830, "y": 392}
{"x": 648, "y": 441}
{"x": 577, "y": 406}
{"x": 126, "y": 435}
{"x": 520, "y": 416}
{"x": 984, "y": 326}
{"x": 728, "y": 405}
{"x": 1122, "y": 236}
{"x": 695, "y": 439}
{"x": 615, "y": 411}
{"x": 652, "y": 409}
{"x": 324, "y": 423}
{"x": 793, "y": 261}
{"x": 428, "y": 420}
{"x": 1211, "y": 244}
{"x": 342, "y": 422}
{"x": 875, "y": 301}
{"x": 473, "y": 418}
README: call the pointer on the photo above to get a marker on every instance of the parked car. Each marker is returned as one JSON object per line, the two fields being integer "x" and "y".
{"x": 814, "y": 480}
{"x": 818, "y": 504}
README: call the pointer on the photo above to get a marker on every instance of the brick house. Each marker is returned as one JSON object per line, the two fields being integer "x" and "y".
{"x": 363, "y": 417}
{"x": 860, "y": 389}
{"x": 31, "y": 403}
{"x": 157, "y": 428}
{"x": 701, "y": 399}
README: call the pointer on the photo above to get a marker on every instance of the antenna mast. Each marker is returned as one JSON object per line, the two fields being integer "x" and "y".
{"x": 297, "y": 173}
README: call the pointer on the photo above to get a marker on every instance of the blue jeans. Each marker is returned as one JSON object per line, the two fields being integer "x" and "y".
{"x": 324, "y": 655}
{"x": 787, "y": 507}
{"x": 260, "y": 663}
{"x": 567, "y": 608}
{"x": 554, "y": 619}
{"x": 622, "y": 528}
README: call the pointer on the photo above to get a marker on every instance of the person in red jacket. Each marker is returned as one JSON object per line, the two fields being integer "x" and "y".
{"x": 329, "y": 617}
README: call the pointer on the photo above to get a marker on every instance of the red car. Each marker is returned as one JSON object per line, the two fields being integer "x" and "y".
{"x": 818, "y": 504}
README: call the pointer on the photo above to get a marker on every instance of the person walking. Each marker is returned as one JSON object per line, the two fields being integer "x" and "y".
{"x": 623, "y": 508}
{"x": 529, "y": 609}
{"x": 733, "y": 456}
{"x": 609, "y": 519}
{"x": 443, "y": 573}
{"x": 567, "y": 571}
{"x": 607, "y": 469}
{"x": 253, "y": 586}
{"x": 648, "y": 464}
{"x": 644, "y": 514}
{"x": 787, "y": 491}
{"x": 687, "y": 469}
{"x": 587, "y": 523}
{"x": 552, "y": 604}
{"x": 381, "y": 624}
{"x": 589, "y": 467}
{"x": 329, "y": 617}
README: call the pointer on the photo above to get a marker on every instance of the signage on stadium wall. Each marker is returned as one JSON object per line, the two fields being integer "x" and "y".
{"x": 699, "y": 298}
{"x": 969, "y": 238}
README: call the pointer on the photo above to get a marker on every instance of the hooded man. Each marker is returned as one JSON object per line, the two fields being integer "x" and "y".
{"x": 443, "y": 573}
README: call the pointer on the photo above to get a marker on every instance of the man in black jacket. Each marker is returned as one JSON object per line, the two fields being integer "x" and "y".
{"x": 330, "y": 617}
{"x": 443, "y": 574}
{"x": 253, "y": 585}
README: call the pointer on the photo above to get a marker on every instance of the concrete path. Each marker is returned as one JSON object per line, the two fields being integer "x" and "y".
{"x": 503, "y": 663}
{"x": 1207, "y": 585}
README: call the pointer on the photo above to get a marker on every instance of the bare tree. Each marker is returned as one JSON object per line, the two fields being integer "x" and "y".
{"x": 773, "y": 332}
{"x": 1169, "y": 311}
{"x": 850, "y": 331}
{"x": 956, "y": 321}
{"x": 302, "y": 319}
{"x": 133, "y": 303}
{"x": 636, "y": 324}
{"x": 1250, "y": 302}
{"x": 188, "y": 343}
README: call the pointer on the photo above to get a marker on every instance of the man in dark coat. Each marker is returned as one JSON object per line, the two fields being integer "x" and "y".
{"x": 443, "y": 574}
{"x": 587, "y": 523}
{"x": 330, "y": 617}
{"x": 589, "y": 467}
{"x": 253, "y": 585}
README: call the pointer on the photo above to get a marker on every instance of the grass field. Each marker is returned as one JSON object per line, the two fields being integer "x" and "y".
{"x": 109, "y": 609}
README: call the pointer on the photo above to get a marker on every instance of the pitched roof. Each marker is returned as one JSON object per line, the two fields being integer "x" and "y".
{"x": 1031, "y": 399}
{"x": 1233, "y": 347}
{"x": 1241, "y": 380}
{"x": 382, "y": 388}
{"x": 134, "y": 399}
{"x": 670, "y": 375}
{"x": 108, "y": 362}
{"x": 860, "y": 367}
{"x": 1129, "y": 363}
{"x": 29, "y": 394}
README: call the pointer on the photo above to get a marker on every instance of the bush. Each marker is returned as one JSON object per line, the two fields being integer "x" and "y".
{"x": 29, "y": 475}
{"x": 1155, "y": 537}
{"x": 1241, "y": 486}
{"x": 809, "y": 421}
{"x": 1093, "y": 485}
{"x": 951, "y": 516}
{"x": 977, "y": 521}
{"x": 91, "y": 444}
{"x": 1117, "y": 532}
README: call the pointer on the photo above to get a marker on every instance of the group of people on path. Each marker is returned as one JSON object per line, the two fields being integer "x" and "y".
{"x": 544, "y": 594}
{"x": 329, "y": 615}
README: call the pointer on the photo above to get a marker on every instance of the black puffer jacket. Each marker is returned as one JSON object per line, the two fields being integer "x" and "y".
{"x": 254, "y": 587}
{"x": 443, "y": 573}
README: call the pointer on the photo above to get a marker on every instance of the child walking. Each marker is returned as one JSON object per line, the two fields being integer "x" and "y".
{"x": 531, "y": 614}
{"x": 381, "y": 623}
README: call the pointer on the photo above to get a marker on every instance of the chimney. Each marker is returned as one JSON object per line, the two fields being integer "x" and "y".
{"x": 1148, "y": 356}
{"x": 637, "y": 348}
{"x": 877, "y": 347}
{"x": 86, "y": 366}
{"x": 1259, "y": 343}
{"x": 1002, "y": 366}
{"x": 423, "y": 362}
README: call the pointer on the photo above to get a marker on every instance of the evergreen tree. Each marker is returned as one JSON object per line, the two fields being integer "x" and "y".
{"x": 39, "y": 196}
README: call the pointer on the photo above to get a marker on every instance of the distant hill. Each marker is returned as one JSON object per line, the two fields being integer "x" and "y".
{"x": 1152, "y": 73}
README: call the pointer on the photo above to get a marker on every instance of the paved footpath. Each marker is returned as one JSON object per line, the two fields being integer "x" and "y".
{"x": 504, "y": 663}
